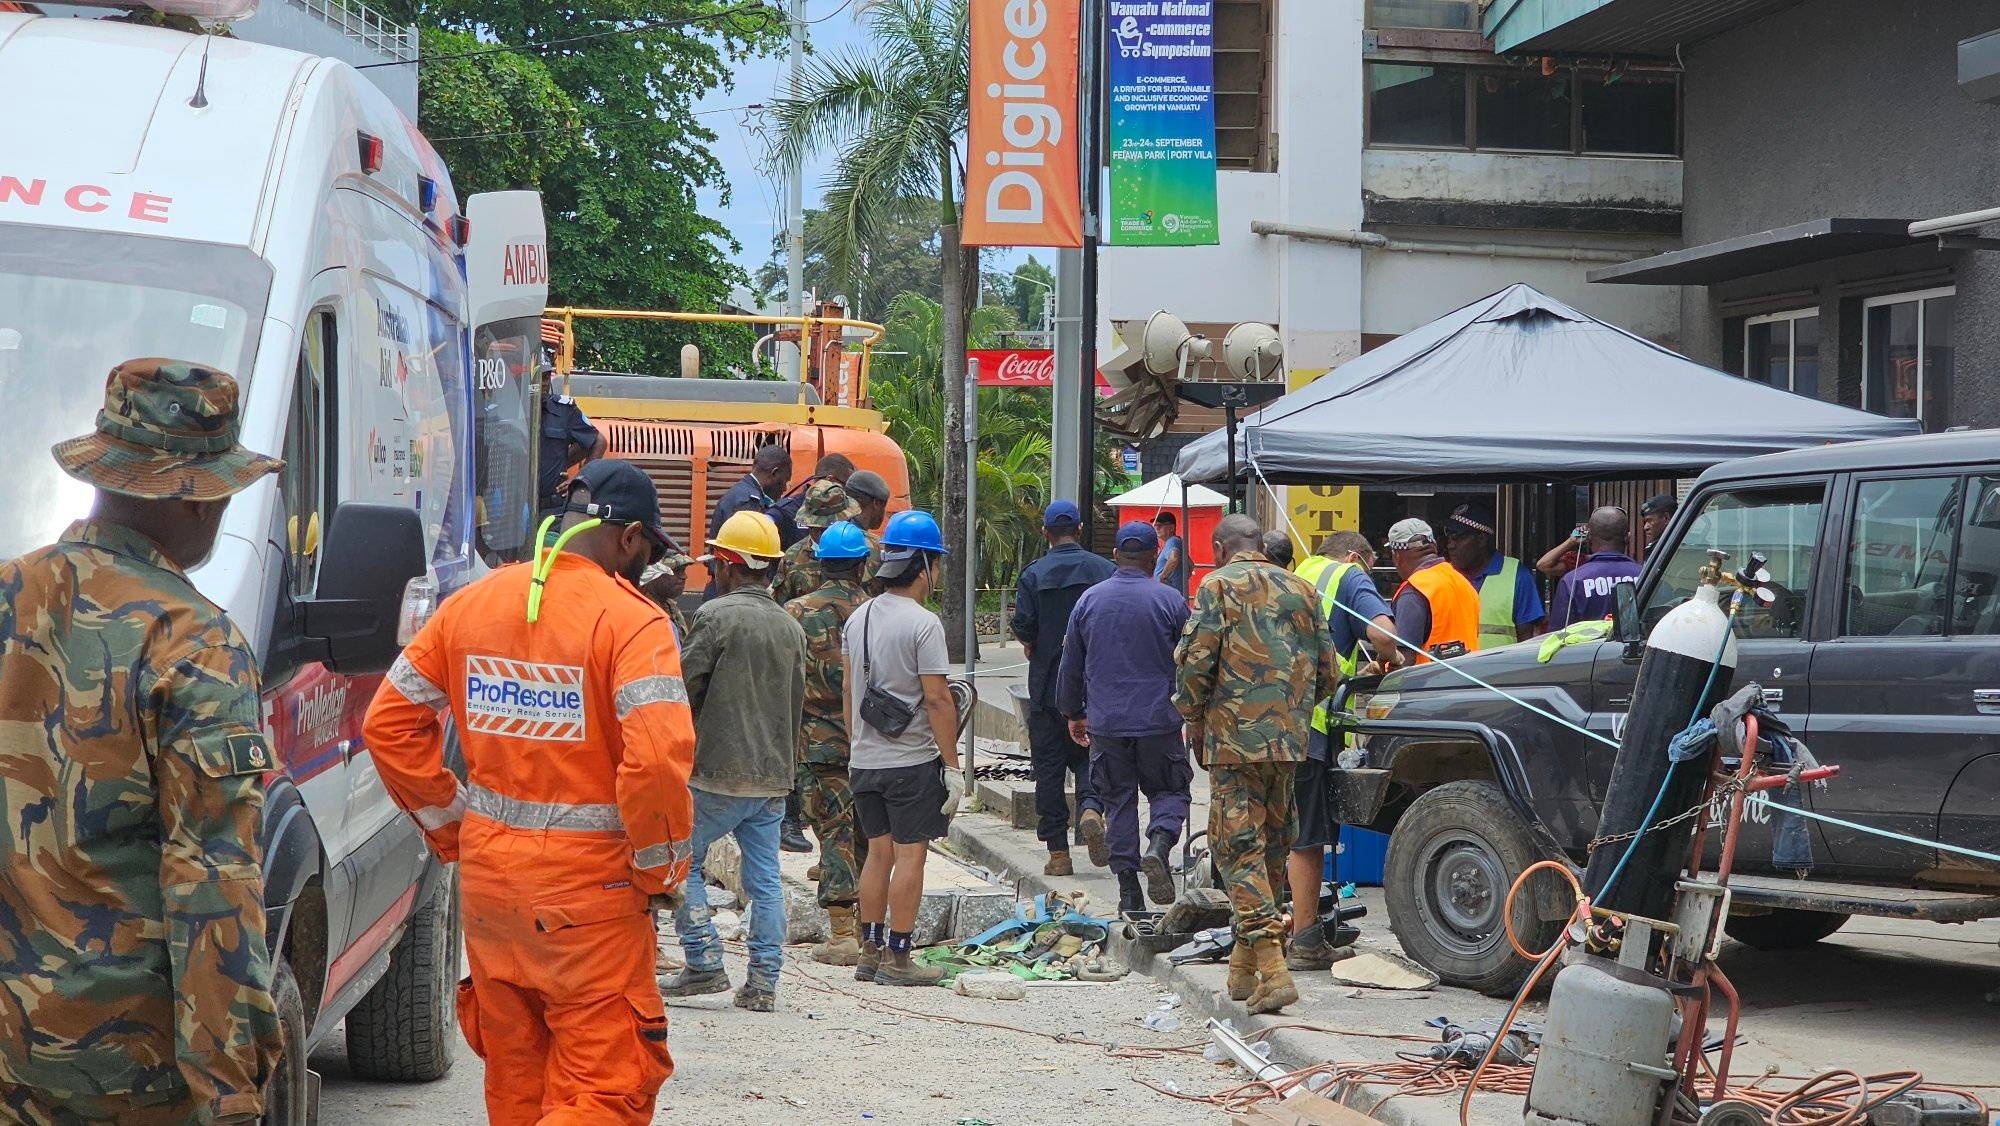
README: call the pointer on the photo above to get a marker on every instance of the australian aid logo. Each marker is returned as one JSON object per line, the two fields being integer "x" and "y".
{"x": 522, "y": 700}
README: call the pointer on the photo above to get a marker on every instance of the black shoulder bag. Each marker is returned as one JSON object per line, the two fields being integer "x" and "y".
{"x": 889, "y": 714}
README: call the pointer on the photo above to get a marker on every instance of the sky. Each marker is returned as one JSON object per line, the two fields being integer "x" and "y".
{"x": 755, "y": 211}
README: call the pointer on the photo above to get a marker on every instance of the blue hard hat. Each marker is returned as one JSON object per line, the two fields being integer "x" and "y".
{"x": 911, "y": 528}
{"x": 841, "y": 540}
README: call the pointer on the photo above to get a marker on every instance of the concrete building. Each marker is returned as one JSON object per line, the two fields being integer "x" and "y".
{"x": 1381, "y": 166}
{"x": 348, "y": 30}
{"x": 1815, "y": 132}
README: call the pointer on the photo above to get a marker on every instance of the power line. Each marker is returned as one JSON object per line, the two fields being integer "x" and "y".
{"x": 648, "y": 25}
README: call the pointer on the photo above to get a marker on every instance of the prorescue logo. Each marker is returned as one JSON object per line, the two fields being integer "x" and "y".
{"x": 84, "y": 199}
{"x": 524, "y": 701}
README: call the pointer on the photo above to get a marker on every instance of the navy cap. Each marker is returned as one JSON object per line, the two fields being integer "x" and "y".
{"x": 1662, "y": 504}
{"x": 618, "y": 492}
{"x": 1061, "y": 514}
{"x": 1137, "y": 535}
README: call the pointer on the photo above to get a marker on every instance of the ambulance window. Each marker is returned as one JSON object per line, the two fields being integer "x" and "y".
{"x": 303, "y": 483}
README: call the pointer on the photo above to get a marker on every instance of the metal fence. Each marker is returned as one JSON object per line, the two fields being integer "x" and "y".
{"x": 366, "y": 26}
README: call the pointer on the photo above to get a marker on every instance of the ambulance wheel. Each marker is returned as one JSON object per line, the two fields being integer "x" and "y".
{"x": 406, "y": 1028}
{"x": 1452, "y": 857}
{"x": 287, "y": 1097}
{"x": 1783, "y": 928}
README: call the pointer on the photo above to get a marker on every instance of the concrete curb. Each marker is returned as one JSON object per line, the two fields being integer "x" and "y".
{"x": 991, "y": 844}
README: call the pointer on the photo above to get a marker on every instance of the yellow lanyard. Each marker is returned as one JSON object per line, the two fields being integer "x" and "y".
{"x": 545, "y": 562}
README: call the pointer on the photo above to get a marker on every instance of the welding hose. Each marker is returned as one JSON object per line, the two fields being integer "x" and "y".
{"x": 1520, "y": 881}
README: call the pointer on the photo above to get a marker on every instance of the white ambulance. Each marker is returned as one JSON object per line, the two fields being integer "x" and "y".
{"x": 273, "y": 215}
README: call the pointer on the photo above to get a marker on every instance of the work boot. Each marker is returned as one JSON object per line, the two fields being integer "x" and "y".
{"x": 1242, "y": 972}
{"x": 901, "y": 969}
{"x": 1274, "y": 982}
{"x": 1130, "y": 899}
{"x": 812, "y": 874}
{"x": 1159, "y": 873}
{"x": 757, "y": 997}
{"x": 692, "y": 982}
{"x": 843, "y": 944}
{"x": 792, "y": 838}
{"x": 870, "y": 959}
{"x": 1058, "y": 865}
{"x": 1090, "y": 826}
{"x": 1310, "y": 950}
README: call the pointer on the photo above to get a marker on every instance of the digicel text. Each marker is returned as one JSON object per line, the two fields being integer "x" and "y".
{"x": 86, "y": 199}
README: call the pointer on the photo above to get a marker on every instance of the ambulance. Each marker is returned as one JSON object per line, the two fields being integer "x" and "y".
{"x": 272, "y": 214}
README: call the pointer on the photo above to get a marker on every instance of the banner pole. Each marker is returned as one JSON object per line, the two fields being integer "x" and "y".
{"x": 1090, "y": 80}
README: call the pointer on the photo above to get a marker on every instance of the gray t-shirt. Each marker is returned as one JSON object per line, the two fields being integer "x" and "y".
{"x": 905, "y": 642}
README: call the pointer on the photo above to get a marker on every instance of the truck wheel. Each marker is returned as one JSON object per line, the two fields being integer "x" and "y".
{"x": 287, "y": 1097}
{"x": 1783, "y": 928}
{"x": 405, "y": 1029}
{"x": 1454, "y": 854}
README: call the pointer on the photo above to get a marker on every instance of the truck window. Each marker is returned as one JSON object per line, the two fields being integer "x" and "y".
{"x": 303, "y": 484}
{"x": 1782, "y": 523}
{"x": 1899, "y": 557}
{"x": 1976, "y": 586}
{"x": 506, "y": 357}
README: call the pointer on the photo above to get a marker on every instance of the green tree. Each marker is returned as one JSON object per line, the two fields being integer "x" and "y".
{"x": 895, "y": 114}
{"x": 602, "y": 122}
{"x": 902, "y": 256}
{"x": 1025, "y": 289}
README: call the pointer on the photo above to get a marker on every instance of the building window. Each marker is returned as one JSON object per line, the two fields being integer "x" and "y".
{"x": 1782, "y": 350}
{"x": 1447, "y": 15}
{"x": 1243, "y": 53}
{"x": 1520, "y": 109}
{"x": 1907, "y": 355}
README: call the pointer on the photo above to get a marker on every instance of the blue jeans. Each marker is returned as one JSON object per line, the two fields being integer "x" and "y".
{"x": 754, "y": 821}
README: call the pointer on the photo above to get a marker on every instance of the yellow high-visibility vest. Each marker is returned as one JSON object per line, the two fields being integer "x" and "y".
{"x": 1326, "y": 576}
{"x": 1496, "y": 605}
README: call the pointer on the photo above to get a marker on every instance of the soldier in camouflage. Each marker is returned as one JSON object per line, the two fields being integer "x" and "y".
{"x": 826, "y": 503}
{"x": 1253, "y": 661}
{"x": 823, "y": 748}
{"x": 871, "y": 493}
{"x": 665, "y": 581}
{"x": 133, "y": 962}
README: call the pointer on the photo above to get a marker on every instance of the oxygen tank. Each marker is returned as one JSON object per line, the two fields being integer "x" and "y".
{"x": 1678, "y": 681}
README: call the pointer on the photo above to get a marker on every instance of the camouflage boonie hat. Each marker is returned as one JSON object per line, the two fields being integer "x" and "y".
{"x": 826, "y": 503}
{"x": 168, "y": 431}
{"x": 675, "y": 559}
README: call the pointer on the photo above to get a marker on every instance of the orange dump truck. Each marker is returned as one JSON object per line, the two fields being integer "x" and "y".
{"x": 695, "y": 436}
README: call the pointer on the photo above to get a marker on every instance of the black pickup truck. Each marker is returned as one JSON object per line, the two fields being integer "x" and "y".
{"x": 1882, "y": 650}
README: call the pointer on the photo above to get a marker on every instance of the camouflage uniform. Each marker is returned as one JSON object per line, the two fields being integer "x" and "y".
{"x": 133, "y": 964}
{"x": 1254, "y": 659}
{"x": 823, "y": 746}
{"x": 825, "y": 504}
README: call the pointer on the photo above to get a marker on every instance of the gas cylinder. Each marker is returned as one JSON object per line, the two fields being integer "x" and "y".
{"x": 1678, "y": 682}
{"x": 1604, "y": 1051}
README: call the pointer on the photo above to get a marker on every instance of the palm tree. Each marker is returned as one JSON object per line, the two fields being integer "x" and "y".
{"x": 896, "y": 115}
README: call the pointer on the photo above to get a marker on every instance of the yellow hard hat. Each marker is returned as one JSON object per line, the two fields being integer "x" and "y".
{"x": 749, "y": 533}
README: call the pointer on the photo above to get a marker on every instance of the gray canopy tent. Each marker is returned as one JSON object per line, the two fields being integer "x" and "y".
{"x": 1519, "y": 387}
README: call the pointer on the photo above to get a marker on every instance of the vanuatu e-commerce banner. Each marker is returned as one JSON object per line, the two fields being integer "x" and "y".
{"x": 1162, "y": 138}
{"x": 1021, "y": 184}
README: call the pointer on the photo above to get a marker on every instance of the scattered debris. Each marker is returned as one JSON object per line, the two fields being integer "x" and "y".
{"x": 1162, "y": 1020}
{"x": 992, "y": 985}
{"x": 1380, "y": 969}
{"x": 1046, "y": 938}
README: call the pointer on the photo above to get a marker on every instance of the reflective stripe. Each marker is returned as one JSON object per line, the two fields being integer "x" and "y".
{"x": 415, "y": 686}
{"x": 591, "y": 817}
{"x": 661, "y": 855}
{"x": 650, "y": 690}
{"x": 431, "y": 818}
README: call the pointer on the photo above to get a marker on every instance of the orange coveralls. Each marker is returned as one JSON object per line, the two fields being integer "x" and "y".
{"x": 578, "y": 744}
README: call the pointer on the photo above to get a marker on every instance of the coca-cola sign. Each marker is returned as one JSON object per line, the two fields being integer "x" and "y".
{"x": 1020, "y": 367}
{"x": 1015, "y": 367}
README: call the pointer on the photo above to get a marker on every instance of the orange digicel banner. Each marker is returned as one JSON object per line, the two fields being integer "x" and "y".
{"x": 1021, "y": 181}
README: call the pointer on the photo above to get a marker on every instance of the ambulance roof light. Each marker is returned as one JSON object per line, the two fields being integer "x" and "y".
{"x": 371, "y": 152}
{"x": 427, "y": 194}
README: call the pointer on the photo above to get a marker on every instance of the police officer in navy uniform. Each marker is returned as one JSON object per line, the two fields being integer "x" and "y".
{"x": 1047, "y": 592}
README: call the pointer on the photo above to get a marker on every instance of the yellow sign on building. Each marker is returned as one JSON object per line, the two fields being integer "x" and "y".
{"x": 1317, "y": 511}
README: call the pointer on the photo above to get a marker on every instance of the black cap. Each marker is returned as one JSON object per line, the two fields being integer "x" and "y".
{"x": 618, "y": 492}
{"x": 1661, "y": 504}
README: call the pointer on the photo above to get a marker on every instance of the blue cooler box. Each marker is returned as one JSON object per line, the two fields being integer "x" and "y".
{"x": 1359, "y": 858}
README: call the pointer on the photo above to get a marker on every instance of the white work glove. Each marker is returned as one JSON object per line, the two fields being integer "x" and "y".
{"x": 954, "y": 790}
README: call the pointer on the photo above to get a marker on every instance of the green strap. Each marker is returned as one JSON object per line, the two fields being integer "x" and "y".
{"x": 544, "y": 563}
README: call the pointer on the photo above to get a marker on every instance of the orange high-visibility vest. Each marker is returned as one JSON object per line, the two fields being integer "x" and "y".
{"x": 1454, "y": 606}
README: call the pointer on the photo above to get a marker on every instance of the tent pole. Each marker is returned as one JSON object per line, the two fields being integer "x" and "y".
{"x": 1235, "y": 494}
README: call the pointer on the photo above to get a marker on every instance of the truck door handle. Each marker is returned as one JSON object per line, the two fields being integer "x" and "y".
{"x": 1774, "y": 698}
{"x": 1986, "y": 700}
{"x": 1620, "y": 701}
